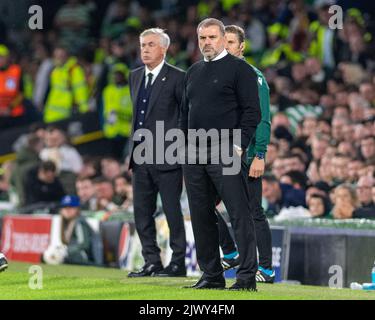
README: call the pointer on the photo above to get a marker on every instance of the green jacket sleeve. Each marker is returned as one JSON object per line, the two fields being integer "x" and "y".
{"x": 263, "y": 132}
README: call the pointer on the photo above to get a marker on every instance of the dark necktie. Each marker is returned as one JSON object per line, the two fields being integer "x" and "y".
{"x": 149, "y": 82}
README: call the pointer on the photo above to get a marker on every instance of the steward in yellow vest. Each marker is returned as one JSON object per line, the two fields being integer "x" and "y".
{"x": 280, "y": 50}
{"x": 69, "y": 91}
{"x": 117, "y": 105}
{"x": 117, "y": 108}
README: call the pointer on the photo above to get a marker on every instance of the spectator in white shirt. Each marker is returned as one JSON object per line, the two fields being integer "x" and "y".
{"x": 66, "y": 158}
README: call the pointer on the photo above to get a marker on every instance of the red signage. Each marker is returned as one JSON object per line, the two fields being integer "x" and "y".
{"x": 25, "y": 238}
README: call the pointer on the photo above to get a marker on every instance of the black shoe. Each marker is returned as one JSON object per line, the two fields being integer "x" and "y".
{"x": 230, "y": 263}
{"x": 209, "y": 284}
{"x": 173, "y": 270}
{"x": 240, "y": 285}
{"x": 3, "y": 263}
{"x": 147, "y": 270}
{"x": 262, "y": 276}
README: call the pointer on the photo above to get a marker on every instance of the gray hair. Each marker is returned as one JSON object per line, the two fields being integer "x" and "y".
{"x": 164, "y": 38}
{"x": 212, "y": 22}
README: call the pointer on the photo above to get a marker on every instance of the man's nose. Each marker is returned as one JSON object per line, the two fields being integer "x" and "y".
{"x": 207, "y": 41}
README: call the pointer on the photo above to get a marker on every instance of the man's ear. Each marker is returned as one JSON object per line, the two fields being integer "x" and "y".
{"x": 242, "y": 47}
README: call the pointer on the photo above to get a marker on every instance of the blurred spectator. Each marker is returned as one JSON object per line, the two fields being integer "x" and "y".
{"x": 293, "y": 162}
{"x": 345, "y": 202}
{"x": 110, "y": 168}
{"x": 115, "y": 20}
{"x": 279, "y": 195}
{"x": 364, "y": 193}
{"x": 86, "y": 193}
{"x": 323, "y": 39}
{"x": 176, "y": 56}
{"x": 318, "y": 206}
{"x": 117, "y": 57}
{"x": 37, "y": 129}
{"x": 284, "y": 138}
{"x": 73, "y": 21}
{"x": 272, "y": 153}
{"x": 76, "y": 233}
{"x": 339, "y": 168}
{"x": 338, "y": 124}
{"x": 43, "y": 185}
{"x": 4, "y": 188}
{"x": 76, "y": 237}
{"x": 321, "y": 188}
{"x": 254, "y": 31}
{"x": 27, "y": 159}
{"x": 367, "y": 91}
{"x": 280, "y": 51}
{"x": 12, "y": 109}
{"x": 117, "y": 111}
{"x": 90, "y": 168}
{"x": 43, "y": 55}
{"x": 66, "y": 158}
{"x": 319, "y": 144}
{"x": 124, "y": 191}
{"x": 68, "y": 92}
{"x": 295, "y": 178}
{"x": 368, "y": 149}
{"x": 354, "y": 167}
{"x": 105, "y": 194}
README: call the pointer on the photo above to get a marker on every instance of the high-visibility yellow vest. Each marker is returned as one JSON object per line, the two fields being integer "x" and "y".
{"x": 68, "y": 89}
{"x": 273, "y": 56}
{"x": 117, "y": 111}
{"x": 203, "y": 9}
{"x": 316, "y": 48}
{"x": 229, "y": 4}
{"x": 28, "y": 86}
{"x": 279, "y": 29}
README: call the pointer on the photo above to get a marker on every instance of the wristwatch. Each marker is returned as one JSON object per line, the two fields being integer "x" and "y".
{"x": 259, "y": 155}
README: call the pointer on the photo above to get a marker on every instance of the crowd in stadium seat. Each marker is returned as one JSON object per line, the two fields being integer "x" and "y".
{"x": 321, "y": 159}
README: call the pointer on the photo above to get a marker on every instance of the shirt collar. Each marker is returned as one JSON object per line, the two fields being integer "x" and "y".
{"x": 154, "y": 71}
{"x": 221, "y": 55}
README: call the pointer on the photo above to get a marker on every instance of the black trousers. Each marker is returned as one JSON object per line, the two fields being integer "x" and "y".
{"x": 203, "y": 182}
{"x": 147, "y": 183}
{"x": 262, "y": 228}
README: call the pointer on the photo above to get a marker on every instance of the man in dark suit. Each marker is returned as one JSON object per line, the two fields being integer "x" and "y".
{"x": 156, "y": 92}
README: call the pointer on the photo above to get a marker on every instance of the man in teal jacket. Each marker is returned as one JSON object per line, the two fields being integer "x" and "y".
{"x": 235, "y": 37}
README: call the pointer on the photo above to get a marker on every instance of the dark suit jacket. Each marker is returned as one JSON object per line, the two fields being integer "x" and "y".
{"x": 164, "y": 104}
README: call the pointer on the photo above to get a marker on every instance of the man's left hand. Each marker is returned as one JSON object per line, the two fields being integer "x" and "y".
{"x": 257, "y": 168}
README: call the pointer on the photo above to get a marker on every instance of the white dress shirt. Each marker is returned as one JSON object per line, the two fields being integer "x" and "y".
{"x": 221, "y": 55}
{"x": 155, "y": 72}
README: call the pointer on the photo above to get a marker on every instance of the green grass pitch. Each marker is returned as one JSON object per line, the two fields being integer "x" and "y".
{"x": 77, "y": 282}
